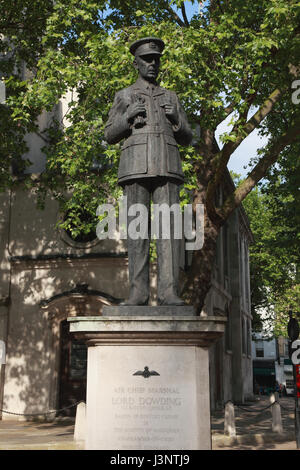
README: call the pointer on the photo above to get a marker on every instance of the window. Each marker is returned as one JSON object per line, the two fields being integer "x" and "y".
{"x": 2, "y": 92}
{"x": 248, "y": 338}
{"x": 246, "y": 274}
{"x": 78, "y": 360}
{"x": 244, "y": 342}
{"x": 286, "y": 348}
{"x": 228, "y": 331}
{"x": 72, "y": 235}
{"x": 242, "y": 269}
{"x": 225, "y": 257}
{"x": 259, "y": 349}
{"x": 218, "y": 274}
{"x": 225, "y": 249}
{"x": 259, "y": 352}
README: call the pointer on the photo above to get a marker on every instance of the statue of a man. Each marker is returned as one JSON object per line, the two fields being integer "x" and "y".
{"x": 152, "y": 122}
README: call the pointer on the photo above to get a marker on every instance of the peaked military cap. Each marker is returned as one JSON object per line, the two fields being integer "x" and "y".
{"x": 147, "y": 46}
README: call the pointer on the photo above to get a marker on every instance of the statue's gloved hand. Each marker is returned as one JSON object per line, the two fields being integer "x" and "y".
{"x": 135, "y": 109}
{"x": 171, "y": 113}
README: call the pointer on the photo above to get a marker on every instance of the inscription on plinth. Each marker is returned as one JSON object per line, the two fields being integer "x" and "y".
{"x": 145, "y": 411}
{"x": 154, "y": 409}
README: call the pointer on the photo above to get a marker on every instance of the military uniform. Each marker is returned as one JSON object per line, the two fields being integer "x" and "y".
{"x": 150, "y": 150}
{"x": 150, "y": 165}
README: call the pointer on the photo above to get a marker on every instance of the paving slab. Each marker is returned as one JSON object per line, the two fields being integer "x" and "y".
{"x": 20, "y": 435}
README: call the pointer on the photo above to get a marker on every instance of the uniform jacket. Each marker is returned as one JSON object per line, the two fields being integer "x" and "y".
{"x": 150, "y": 146}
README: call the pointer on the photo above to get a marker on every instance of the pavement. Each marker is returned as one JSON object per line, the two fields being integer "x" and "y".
{"x": 253, "y": 429}
{"x": 25, "y": 435}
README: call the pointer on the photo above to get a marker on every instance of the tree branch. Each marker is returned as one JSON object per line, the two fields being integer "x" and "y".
{"x": 231, "y": 107}
{"x": 22, "y": 24}
{"x": 260, "y": 169}
{"x": 186, "y": 21}
{"x": 239, "y": 133}
{"x": 220, "y": 7}
{"x": 253, "y": 123}
{"x": 213, "y": 4}
{"x": 174, "y": 14}
{"x": 249, "y": 100}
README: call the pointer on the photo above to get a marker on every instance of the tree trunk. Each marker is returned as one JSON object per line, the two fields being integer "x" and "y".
{"x": 198, "y": 278}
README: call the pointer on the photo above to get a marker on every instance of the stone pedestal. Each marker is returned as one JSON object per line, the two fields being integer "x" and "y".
{"x": 148, "y": 381}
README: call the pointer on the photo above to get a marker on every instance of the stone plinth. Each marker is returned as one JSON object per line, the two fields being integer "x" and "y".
{"x": 148, "y": 381}
{"x": 147, "y": 310}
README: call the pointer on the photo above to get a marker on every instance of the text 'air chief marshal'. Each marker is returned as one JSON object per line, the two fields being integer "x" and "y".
{"x": 152, "y": 122}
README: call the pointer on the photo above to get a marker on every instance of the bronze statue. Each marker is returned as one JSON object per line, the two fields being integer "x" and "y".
{"x": 152, "y": 122}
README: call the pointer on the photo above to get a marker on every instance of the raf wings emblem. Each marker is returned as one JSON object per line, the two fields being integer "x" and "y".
{"x": 146, "y": 373}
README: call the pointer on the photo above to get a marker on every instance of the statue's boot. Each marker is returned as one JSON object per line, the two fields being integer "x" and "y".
{"x": 171, "y": 300}
{"x": 134, "y": 300}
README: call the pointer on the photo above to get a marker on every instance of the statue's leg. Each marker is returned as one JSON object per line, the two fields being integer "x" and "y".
{"x": 168, "y": 250}
{"x": 138, "y": 249}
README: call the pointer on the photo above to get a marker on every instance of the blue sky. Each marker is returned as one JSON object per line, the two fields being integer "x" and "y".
{"x": 190, "y": 8}
{"x": 247, "y": 149}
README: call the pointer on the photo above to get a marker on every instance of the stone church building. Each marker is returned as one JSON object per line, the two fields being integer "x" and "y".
{"x": 46, "y": 277}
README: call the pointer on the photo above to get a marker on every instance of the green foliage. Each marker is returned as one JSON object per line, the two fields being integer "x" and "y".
{"x": 274, "y": 257}
{"x": 290, "y": 300}
{"x": 235, "y": 51}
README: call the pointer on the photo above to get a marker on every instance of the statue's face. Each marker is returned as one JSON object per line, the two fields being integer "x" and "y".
{"x": 148, "y": 66}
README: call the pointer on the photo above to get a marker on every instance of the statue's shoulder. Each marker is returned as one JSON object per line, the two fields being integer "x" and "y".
{"x": 125, "y": 91}
{"x": 123, "y": 95}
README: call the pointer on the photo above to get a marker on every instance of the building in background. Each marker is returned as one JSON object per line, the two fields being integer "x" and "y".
{"x": 264, "y": 353}
{"x": 284, "y": 366}
{"x": 271, "y": 365}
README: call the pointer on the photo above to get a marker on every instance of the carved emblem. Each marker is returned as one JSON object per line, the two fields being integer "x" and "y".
{"x": 146, "y": 373}
{"x": 152, "y": 45}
